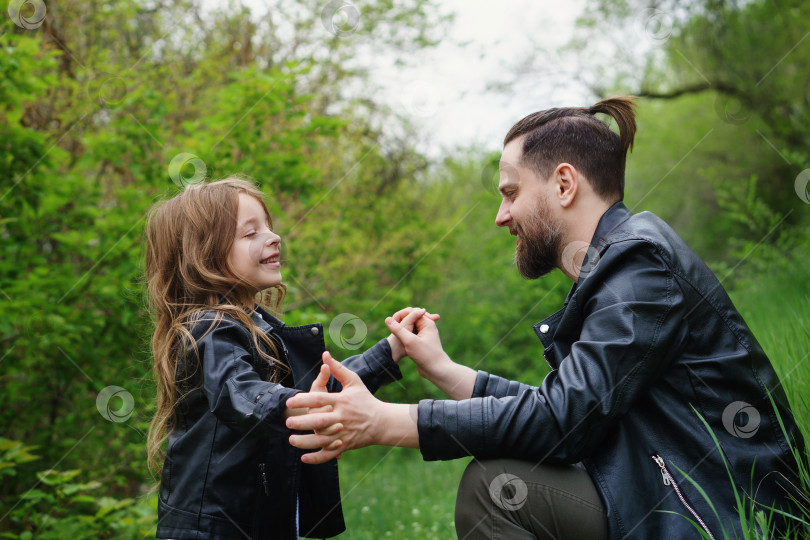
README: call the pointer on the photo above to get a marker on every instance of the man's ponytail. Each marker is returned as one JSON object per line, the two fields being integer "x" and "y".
{"x": 623, "y": 110}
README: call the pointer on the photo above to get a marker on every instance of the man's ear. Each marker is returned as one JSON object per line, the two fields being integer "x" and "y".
{"x": 567, "y": 180}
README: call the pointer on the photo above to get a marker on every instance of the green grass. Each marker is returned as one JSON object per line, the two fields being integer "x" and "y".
{"x": 392, "y": 492}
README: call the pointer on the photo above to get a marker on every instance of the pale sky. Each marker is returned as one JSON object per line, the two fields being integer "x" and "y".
{"x": 447, "y": 93}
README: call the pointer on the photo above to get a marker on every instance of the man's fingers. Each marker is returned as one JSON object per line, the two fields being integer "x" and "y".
{"x": 402, "y": 330}
{"x": 402, "y": 313}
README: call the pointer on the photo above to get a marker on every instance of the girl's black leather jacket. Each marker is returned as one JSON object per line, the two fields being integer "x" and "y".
{"x": 230, "y": 472}
{"x": 657, "y": 387}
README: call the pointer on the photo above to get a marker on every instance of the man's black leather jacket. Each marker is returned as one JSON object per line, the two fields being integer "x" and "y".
{"x": 646, "y": 341}
{"x": 230, "y": 472}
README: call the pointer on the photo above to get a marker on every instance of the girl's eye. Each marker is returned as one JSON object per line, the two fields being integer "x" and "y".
{"x": 248, "y": 235}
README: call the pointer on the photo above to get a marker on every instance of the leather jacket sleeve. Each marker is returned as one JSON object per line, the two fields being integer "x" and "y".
{"x": 631, "y": 311}
{"x": 236, "y": 393}
{"x": 375, "y": 367}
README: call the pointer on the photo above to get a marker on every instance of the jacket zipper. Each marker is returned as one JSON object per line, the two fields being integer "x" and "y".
{"x": 265, "y": 482}
{"x": 670, "y": 481}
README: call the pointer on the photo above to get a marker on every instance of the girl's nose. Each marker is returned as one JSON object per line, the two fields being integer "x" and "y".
{"x": 272, "y": 238}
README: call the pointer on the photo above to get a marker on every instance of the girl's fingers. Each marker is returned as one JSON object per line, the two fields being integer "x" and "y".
{"x": 311, "y": 400}
{"x": 330, "y": 430}
{"x": 312, "y": 421}
{"x": 314, "y": 441}
{"x": 321, "y": 456}
{"x": 342, "y": 374}
{"x": 320, "y": 382}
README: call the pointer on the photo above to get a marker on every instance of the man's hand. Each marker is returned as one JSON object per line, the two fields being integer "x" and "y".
{"x": 397, "y": 349}
{"x": 349, "y": 419}
{"x": 425, "y": 349}
{"x": 417, "y": 332}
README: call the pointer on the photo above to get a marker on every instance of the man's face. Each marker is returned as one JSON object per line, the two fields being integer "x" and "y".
{"x": 525, "y": 210}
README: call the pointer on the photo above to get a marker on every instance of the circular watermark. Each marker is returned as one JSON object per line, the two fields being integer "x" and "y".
{"x": 741, "y": 419}
{"x": 28, "y": 14}
{"x": 179, "y": 169}
{"x": 420, "y": 99}
{"x": 802, "y": 186}
{"x": 490, "y": 178}
{"x": 115, "y": 404}
{"x": 508, "y": 492}
{"x": 732, "y": 109}
{"x": 337, "y": 331}
{"x": 579, "y": 258}
{"x": 656, "y": 24}
{"x": 340, "y": 18}
{"x": 106, "y": 89}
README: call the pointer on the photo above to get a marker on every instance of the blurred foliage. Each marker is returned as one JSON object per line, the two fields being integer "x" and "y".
{"x": 97, "y": 102}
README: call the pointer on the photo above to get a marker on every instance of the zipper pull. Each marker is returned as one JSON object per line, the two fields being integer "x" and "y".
{"x": 664, "y": 474}
{"x": 265, "y": 482}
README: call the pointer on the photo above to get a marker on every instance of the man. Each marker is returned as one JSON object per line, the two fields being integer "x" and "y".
{"x": 658, "y": 393}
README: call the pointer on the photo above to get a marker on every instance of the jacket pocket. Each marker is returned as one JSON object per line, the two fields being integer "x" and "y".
{"x": 669, "y": 480}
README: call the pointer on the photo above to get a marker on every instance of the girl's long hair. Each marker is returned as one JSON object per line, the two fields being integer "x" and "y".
{"x": 188, "y": 241}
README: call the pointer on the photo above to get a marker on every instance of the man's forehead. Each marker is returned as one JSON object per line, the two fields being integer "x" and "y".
{"x": 510, "y": 159}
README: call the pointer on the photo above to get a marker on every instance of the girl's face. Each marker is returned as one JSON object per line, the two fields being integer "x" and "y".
{"x": 256, "y": 249}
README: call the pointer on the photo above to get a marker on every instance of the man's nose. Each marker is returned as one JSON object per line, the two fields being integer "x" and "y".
{"x": 503, "y": 217}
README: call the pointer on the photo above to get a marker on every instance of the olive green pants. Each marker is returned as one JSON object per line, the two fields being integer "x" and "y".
{"x": 507, "y": 498}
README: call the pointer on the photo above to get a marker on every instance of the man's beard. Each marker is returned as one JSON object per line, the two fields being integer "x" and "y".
{"x": 540, "y": 238}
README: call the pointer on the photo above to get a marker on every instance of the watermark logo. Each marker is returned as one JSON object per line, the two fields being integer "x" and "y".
{"x": 508, "y": 492}
{"x": 655, "y": 24}
{"x": 802, "y": 186}
{"x": 338, "y": 331}
{"x": 115, "y": 404}
{"x": 28, "y": 14}
{"x": 340, "y": 18}
{"x": 180, "y": 173}
{"x": 420, "y": 99}
{"x": 732, "y": 109}
{"x": 741, "y": 419}
{"x": 579, "y": 258}
{"x": 106, "y": 89}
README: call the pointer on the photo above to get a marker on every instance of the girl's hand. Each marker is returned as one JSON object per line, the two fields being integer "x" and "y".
{"x": 354, "y": 410}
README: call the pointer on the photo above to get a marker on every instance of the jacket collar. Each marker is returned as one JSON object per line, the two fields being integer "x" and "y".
{"x": 264, "y": 319}
{"x": 614, "y": 216}
{"x": 260, "y": 316}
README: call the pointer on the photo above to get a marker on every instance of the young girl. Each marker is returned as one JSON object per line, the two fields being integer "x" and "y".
{"x": 225, "y": 367}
